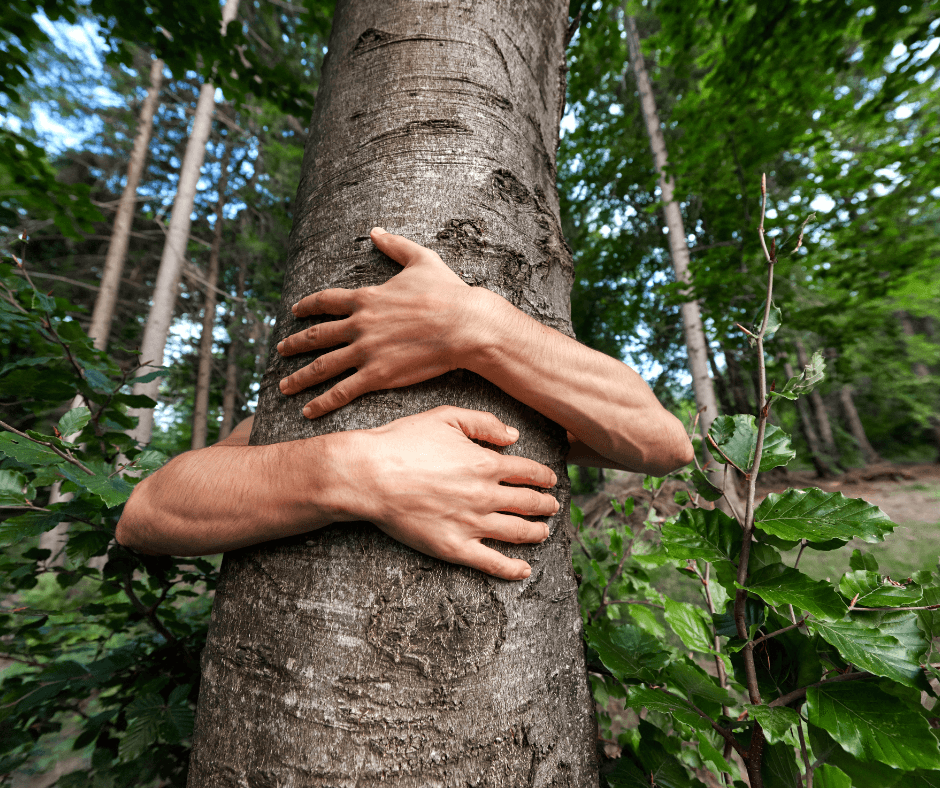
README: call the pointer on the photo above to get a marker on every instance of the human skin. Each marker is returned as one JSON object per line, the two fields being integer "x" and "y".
{"x": 421, "y": 479}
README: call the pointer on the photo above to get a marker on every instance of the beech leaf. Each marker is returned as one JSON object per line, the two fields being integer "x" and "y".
{"x": 658, "y": 700}
{"x": 873, "y": 590}
{"x": 820, "y": 516}
{"x": 628, "y": 652}
{"x": 736, "y": 436}
{"x": 704, "y": 487}
{"x": 873, "y": 725}
{"x": 688, "y": 622}
{"x": 872, "y": 650}
{"x": 776, "y": 720}
{"x": 777, "y": 584}
{"x": 74, "y": 421}
{"x": 708, "y": 534}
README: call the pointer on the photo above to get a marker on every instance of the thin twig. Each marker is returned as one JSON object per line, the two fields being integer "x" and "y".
{"x": 64, "y": 455}
{"x": 805, "y": 753}
{"x": 786, "y": 700}
{"x": 780, "y": 631}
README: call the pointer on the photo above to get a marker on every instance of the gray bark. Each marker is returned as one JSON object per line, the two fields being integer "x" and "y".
{"x": 869, "y": 454}
{"x": 692, "y": 325}
{"x": 343, "y": 658}
{"x": 166, "y": 288}
{"x": 103, "y": 313}
{"x": 819, "y": 407}
{"x": 204, "y": 372}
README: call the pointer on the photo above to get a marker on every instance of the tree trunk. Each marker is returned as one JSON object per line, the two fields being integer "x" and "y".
{"x": 921, "y": 370}
{"x": 816, "y": 451}
{"x": 869, "y": 454}
{"x": 720, "y": 385}
{"x": 171, "y": 262}
{"x": 204, "y": 373}
{"x": 742, "y": 401}
{"x": 231, "y": 357}
{"x": 819, "y": 408}
{"x": 695, "y": 341}
{"x": 342, "y": 657}
{"x": 103, "y": 313}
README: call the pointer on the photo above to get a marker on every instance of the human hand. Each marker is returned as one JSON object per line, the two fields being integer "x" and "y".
{"x": 426, "y": 484}
{"x": 416, "y": 326}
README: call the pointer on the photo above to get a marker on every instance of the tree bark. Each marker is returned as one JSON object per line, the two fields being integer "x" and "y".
{"x": 103, "y": 313}
{"x": 816, "y": 451}
{"x": 869, "y": 455}
{"x": 204, "y": 372}
{"x": 174, "y": 249}
{"x": 343, "y": 658}
{"x": 231, "y": 357}
{"x": 695, "y": 341}
{"x": 819, "y": 407}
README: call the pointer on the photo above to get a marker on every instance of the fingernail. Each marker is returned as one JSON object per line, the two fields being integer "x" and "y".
{"x": 280, "y": 347}
{"x": 557, "y": 507}
{"x": 283, "y": 386}
{"x": 294, "y": 308}
{"x": 380, "y": 231}
{"x": 547, "y": 534}
{"x": 554, "y": 482}
{"x": 512, "y": 432}
{"x": 308, "y": 412}
{"x": 526, "y": 572}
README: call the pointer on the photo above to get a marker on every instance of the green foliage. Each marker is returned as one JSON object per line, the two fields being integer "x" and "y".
{"x": 101, "y": 642}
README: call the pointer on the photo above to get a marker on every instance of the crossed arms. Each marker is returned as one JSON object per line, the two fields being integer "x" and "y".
{"x": 420, "y": 479}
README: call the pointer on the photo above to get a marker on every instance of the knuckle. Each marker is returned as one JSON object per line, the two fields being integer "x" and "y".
{"x": 312, "y": 333}
{"x": 318, "y": 366}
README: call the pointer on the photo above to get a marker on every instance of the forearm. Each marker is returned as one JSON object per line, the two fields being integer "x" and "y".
{"x": 226, "y": 497}
{"x": 602, "y": 401}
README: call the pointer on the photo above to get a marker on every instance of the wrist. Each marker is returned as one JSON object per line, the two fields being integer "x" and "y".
{"x": 343, "y": 492}
{"x": 489, "y": 325}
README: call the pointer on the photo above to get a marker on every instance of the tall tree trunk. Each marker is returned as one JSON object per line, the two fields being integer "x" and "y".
{"x": 204, "y": 373}
{"x": 342, "y": 657}
{"x": 103, "y": 313}
{"x": 100, "y": 328}
{"x": 231, "y": 357}
{"x": 869, "y": 454}
{"x": 171, "y": 262}
{"x": 720, "y": 385}
{"x": 819, "y": 408}
{"x": 816, "y": 452}
{"x": 695, "y": 342}
{"x": 921, "y": 370}
{"x": 742, "y": 401}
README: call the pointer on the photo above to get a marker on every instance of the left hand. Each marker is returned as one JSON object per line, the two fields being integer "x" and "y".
{"x": 414, "y": 327}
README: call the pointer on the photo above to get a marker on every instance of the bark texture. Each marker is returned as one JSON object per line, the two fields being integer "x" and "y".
{"x": 234, "y": 350}
{"x": 204, "y": 372}
{"x": 166, "y": 288}
{"x": 692, "y": 325}
{"x": 342, "y": 658}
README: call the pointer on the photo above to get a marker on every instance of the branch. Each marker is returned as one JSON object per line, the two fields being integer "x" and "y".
{"x": 774, "y": 634}
{"x": 786, "y": 700}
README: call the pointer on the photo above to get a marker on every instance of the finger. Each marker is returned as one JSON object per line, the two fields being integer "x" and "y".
{"x": 323, "y": 335}
{"x": 520, "y": 470}
{"x": 336, "y": 301}
{"x": 478, "y": 425}
{"x": 399, "y": 248}
{"x": 327, "y": 366}
{"x": 341, "y": 394}
{"x": 522, "y": 500}
{"x": 507, "y": 528}
{"x": 488, "y": 560}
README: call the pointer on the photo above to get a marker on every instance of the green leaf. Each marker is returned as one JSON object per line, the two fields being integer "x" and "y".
{"x": 779, "y": 769}
{"x": 861, "y": 560}
{"x": 697, "y": 683}
{"x": 828, "y": 776}
{"x": 776, "y": 720}
{"x": 13, "y": 488}
{"x": 74, "y": 421}
{"x": 661, "y": 701}
{"x": 873, "y": 590}
{"x": 755, "y": 613}
{"x": 628, "y": 652}
{"x": 708, "y": 534}
{"x": 688, "y": 622}
{"x": 709, "y": 753}
{"x": 781, "y": 585}
{"x": 704, "y": 487}
{"x": 26, "y": 451}
{"x": 774, "y": 320}
{"x": 159, "y": 372}
{"x": 871, "y": 650}
{"x": 113, "y": 491}
{"x": 873, "y": 725}
{"x": 151, "y": 459}
{"x": 736, "y": 436}
{"x": 819, "y": 516}
{"x": 806, "y": 381}
{"x": 862, "y": 774}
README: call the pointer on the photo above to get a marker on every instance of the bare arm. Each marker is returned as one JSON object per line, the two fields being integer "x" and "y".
{"x": 426, "y": 321}
{"x": 420, "y": 479}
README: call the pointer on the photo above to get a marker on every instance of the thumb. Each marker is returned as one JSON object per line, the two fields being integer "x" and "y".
{"x": 399, "y": 248}
{"x": 482, "y": 426}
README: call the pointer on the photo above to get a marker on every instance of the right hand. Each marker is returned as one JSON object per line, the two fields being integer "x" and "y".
{"x": 427, "y": 485}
